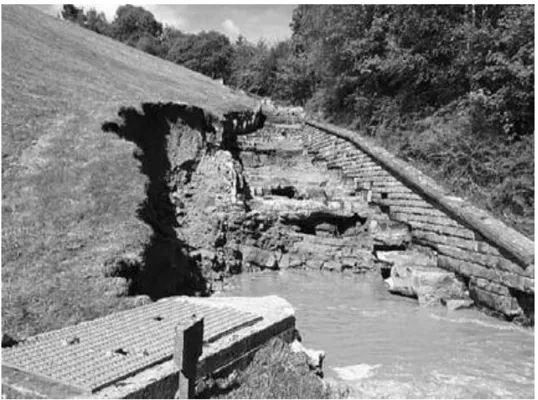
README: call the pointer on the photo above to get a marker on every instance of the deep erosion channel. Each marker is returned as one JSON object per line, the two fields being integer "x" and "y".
{"x": 238, "y": 210}
{"x": 386, "y": 346}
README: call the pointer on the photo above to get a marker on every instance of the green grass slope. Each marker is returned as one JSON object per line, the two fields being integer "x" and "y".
{"x": 69, "y": 190}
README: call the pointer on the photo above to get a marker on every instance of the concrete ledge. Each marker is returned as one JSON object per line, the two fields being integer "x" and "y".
{"x": 513, "y": 243}
{"x": 21, "y": 385}
{"x": 161, "y": 381}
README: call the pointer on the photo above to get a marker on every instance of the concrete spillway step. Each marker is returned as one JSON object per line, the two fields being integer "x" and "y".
{"x": 95, "y": 354}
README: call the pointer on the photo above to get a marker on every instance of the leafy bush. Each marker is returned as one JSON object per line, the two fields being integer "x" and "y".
{"x": 495, "y": 175}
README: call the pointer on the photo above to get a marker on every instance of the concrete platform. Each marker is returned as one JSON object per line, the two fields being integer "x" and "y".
{"x": 47, "y": 366}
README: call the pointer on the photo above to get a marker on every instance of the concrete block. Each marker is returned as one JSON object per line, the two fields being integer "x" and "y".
{"x": 388, "y": 184}
{"x": 314, "y": 264}
{"x": 457, "y": 304}
{"x": 467, "y": 268}
{"x": 433, "y": 212}
{"x": 364, "y": 169}
{"x": 397, "y": 188}
{"x": 407, "y": 258}
{"x": 376, "y": 176}
{"x": 357, "y": 156}
{"x": 470, "y": 269}
{"x": 504, "y": 304}
{"x": 508, "y": 265}
{"x": 332, "y": 265}
{"x": 487, "y": 260}
{"x": 489, "y": 286}
{"x": 486, "y": 248}
{"x": 408, "y": 203}
{"x": 389, "y": 233}
{"x": 444, "y": 230}
{"x": 433, "y": 238}
{"x": 403, "y": 217}
{"x": 394, "y": 195}
{"x": 438, "y": 220}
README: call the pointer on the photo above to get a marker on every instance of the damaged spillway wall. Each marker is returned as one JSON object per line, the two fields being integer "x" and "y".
{"x": 223, "y": 195}
{"x": 495, "y": 261}
{"x": 193, "y": 174}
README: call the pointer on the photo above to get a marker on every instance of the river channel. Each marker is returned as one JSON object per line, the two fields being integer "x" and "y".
{"x": 386, "y": 346}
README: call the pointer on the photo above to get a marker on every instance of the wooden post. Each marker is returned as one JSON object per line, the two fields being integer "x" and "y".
{"x": 187, "y": 349}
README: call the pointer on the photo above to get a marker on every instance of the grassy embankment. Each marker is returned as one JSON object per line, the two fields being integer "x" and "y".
{"x": 71, "y": 191}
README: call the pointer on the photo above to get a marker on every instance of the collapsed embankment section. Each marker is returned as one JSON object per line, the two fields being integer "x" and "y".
{"x": 187, "y": 155}
{"x": 494, "y": 260}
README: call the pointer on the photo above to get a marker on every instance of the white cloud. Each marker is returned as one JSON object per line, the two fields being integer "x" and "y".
{"x": 168, "y": 15}
{"x": 270, "y": 22}
{"x": 231, "y": 29}
{"x": 109, "y": 9}
{"x": 162, "y": 13}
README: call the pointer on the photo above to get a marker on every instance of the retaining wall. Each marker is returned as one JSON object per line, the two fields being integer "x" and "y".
{"x": 496, "y": 261}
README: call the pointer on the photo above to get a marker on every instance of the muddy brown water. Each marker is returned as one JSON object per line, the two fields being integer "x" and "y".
{"x": 386, "y": 346}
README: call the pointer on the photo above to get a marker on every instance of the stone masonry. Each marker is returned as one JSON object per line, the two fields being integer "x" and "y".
{"x": 499, "y": 270}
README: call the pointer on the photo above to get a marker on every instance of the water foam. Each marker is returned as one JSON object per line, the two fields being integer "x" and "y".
{"x": 355, "y": 372}
{"x": 495, "y": 325}
{"x": 373, "y": 313}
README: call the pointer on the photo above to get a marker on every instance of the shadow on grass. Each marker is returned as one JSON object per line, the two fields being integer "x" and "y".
{"x": 165, "y": 268}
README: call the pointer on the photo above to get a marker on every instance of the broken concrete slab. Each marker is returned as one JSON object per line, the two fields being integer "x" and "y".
{"x": 407, "y": 257}
{"x": 390, "y": 234}
{"x": 458, "y": 304}
{"x": 432, "y": 286}
{"x": 259, "y": 257}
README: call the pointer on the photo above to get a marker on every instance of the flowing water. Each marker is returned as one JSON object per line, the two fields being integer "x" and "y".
{"x": 386, "y": 346}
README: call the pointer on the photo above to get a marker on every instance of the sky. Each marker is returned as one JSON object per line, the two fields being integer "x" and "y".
{"x": 269, "y": 22}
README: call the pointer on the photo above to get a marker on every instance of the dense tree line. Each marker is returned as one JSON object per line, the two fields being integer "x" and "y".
{"x": 209, "y": 53}
{"x": 450, "y": 87}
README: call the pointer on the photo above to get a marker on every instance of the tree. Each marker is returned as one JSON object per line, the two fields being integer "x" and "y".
{"x": 255, "y": 67}
{"x": 97, "y": 22}
{"x": 502, "y": 71}
{"x": 71, "y": 13}
{"x": 209, "y": 53}
{"x": 131, "y": 23}
{"x": 149, "y": 44}
{"x": 293, "y": 81}
{"x": 242, "y": 70}
{"x": 167, "y": 39}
